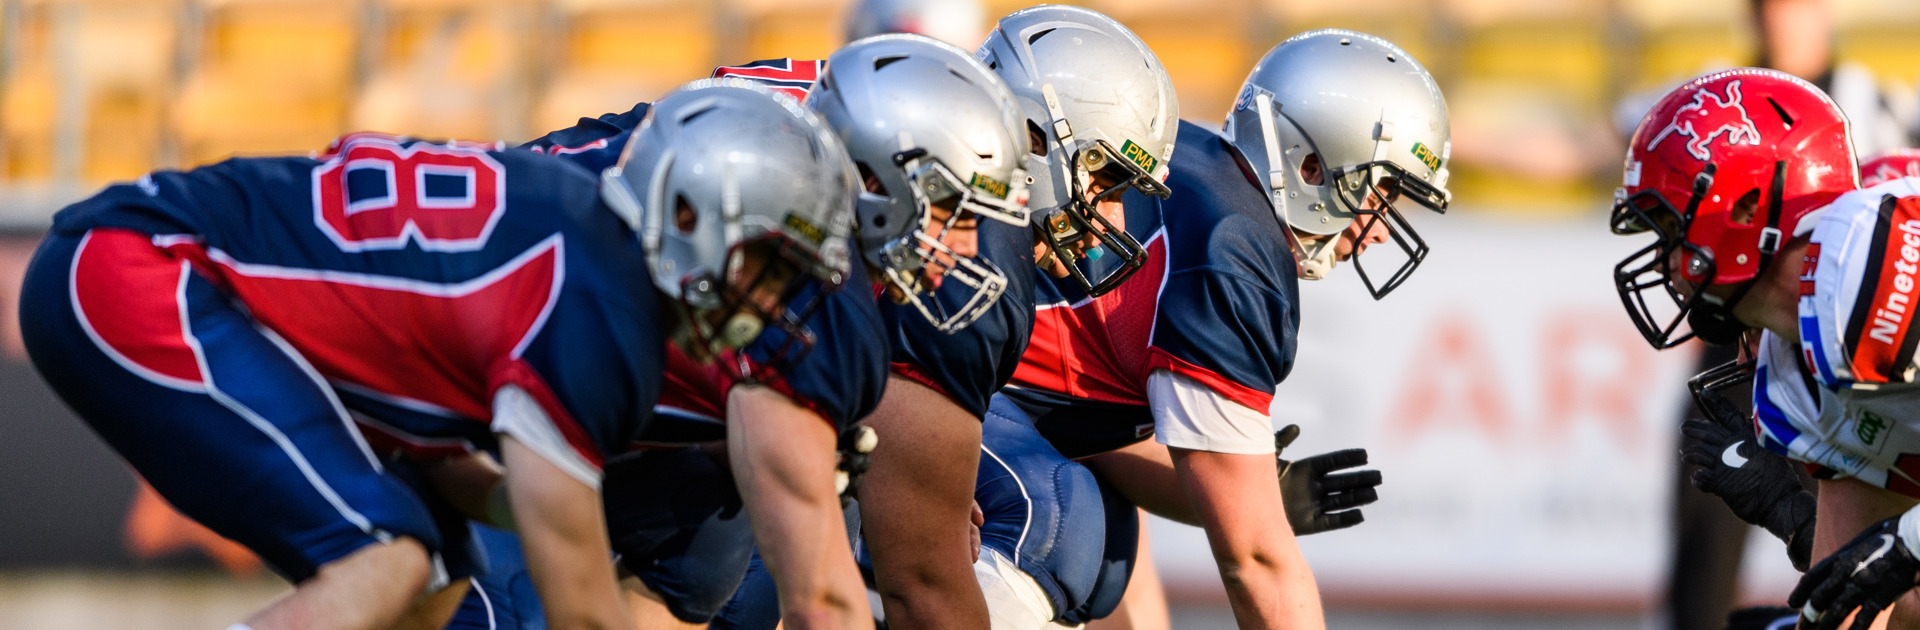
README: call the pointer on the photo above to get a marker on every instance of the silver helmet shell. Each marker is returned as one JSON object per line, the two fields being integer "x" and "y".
{"x": 955, "y": 22}
{"x": 752, "y": 165}
{"x": 1374, "y": 117}
{"x": 932, "y": 126}
{"x": 1101, "y": 104}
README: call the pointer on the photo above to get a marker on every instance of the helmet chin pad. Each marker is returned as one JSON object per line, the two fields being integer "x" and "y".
{"x": 1315, "y": 259}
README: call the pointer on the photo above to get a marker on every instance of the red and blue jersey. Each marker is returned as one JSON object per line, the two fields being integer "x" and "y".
{"x": 1216, "y": 302}
{"x": 419, "y": 279}
{"x": 841, "y": 377}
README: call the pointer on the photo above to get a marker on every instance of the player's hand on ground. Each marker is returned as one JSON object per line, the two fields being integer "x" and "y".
{"x": 1319, "y": 498}
{"x": 1762, "y": 618}
{"x": 1868, "y": 573}
{"x": 1758, "y": 485}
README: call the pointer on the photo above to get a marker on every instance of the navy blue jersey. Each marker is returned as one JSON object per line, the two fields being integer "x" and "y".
{"x": 592, "y": 143}
{"x": 969, "y": 365}
{"x": 1217, "y": 301}
{"x": 420, "y": 278}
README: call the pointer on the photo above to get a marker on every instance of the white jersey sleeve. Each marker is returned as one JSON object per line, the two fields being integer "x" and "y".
{"x": 516, "y": 414}
{"x": 1188, "y": 414}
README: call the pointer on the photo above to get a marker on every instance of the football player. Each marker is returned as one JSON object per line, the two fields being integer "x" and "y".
{"x": 217, "y": 327}
{"x": 940, "y": 152}
{"x": 1189, "y": 349}
{"x": 1747, "y": 182}
{"x": 1032, "y": 575}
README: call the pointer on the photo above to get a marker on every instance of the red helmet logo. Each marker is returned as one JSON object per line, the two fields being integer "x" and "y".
{"x": 1716, "y": 116}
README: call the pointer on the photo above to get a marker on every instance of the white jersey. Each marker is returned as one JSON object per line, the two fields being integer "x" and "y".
{"x": 1843, "y": 395}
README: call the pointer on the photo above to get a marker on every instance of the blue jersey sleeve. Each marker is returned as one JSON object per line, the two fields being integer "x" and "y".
{"x": 599, "y": 350}
{"x": 593, "y": 143}
{"x": 843, "y": 375}
{"x": 1229, "y": 310}
{"x": 969, "y": 365}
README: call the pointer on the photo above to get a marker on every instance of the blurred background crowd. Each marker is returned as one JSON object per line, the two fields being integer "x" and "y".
{"x": 1526, "y": 436}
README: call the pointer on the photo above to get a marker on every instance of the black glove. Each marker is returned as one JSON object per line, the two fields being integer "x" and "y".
{"x": 1314, "y": 495}
{"x": 1868, "y": 573}
{"x": 856, "y": 445}
{"x": 1757, "y": 484}
{"x": 1762, "y": 618}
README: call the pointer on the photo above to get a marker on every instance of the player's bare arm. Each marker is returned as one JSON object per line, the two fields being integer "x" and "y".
{"x": 783, "y": 459}
{"x": 565, "y": 537}
{"x": 1268, "y": 582}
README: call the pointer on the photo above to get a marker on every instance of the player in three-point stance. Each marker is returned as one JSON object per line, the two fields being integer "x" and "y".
{"x": 940, "y": 152}
{"x": 1189, "y": 349}
{"x": 1769, "y": 234}
{"x": 218, "y": 326}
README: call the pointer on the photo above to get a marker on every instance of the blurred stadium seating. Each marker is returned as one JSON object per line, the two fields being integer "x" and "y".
{"x": 97, "y": 90}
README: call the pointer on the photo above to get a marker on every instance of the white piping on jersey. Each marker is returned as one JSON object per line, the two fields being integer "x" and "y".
{"x": 1157, "y": 235}
{"x": 402, "y": 402}
{"x": 392, "y": 283}
{"x": 73, "y": 296}
{"x": 1028, "y": 522}
{"x": 412, "y": 438}
{"x": 333, "y": 399}
{"x": 553, "y": 296}
{"x": 665, "y": 409}
{"x": 485, "y": 602}
{"x": 260, "y": 423}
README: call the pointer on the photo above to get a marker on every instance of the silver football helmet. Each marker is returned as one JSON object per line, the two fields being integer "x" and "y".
{"x": 718, "y": 167}
{"x": 1374, "y": 120}
{"x": 931, "y": 126}
{"x": 955, "y": 22}
{"x": 1104, "y": 109}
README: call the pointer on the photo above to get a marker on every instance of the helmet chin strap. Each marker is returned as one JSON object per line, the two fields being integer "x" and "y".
{"x": 1712, "y": 318}
{"x": 1316, "y": 260}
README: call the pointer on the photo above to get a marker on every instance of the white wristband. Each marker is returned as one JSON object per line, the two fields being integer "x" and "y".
{"x": 1909, "y": 531}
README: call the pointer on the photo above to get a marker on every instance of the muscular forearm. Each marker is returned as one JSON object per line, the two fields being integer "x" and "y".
{"x": 564, "y": 535}
{"x": 783, "y": 459}
{"x": 1267, "y": 580}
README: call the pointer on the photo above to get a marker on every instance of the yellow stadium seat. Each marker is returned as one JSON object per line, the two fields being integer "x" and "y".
{"x": 275, "y": 78}
{"x": 100, "y": 69}
{"x": 451, "y": 69}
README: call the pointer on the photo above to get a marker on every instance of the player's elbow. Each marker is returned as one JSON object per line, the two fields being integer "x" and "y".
{"x": 1262, "y": 567}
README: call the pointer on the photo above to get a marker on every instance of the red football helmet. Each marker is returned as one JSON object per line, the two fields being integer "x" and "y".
{"x": 1891, "y": 165}
{"x": 1720, "y": 171}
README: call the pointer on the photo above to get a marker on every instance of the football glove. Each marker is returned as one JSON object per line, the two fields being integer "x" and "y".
{"x": 1318, "y": 499}
{"x": 1868, "y": 573}
{"x": 856, "y": 447}
{"x": 1758, "y": 485}
{"x": 1762, "y": 618}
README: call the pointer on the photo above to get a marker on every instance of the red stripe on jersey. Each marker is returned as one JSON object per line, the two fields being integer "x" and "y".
{"x": 1252, "y": 398}
{"x": 438, "y": 343}
{"x": 913, "y": 372}
{"x": 700, "y": 389}
{"x": 126, "y": 294}
{"x": 517, "y": 372}
{"x": 1097, "y": 349}
{"x": 1890, "y": 305}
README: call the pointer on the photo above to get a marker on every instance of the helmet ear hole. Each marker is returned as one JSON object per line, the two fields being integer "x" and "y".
{"x": 1036, "y": 138}
{"x": 869, "y": 180}
{"x": 1311, "y": 171}
{"x": 1745, "y": 208}
{"x": 685, "y": 219}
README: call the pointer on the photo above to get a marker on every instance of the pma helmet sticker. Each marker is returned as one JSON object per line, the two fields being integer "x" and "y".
{"x": 1426, "y": 156}
{"x": 806, "y": 229}
{"x": 1709, "y": 117}
{"x": 1139, "y": 156}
